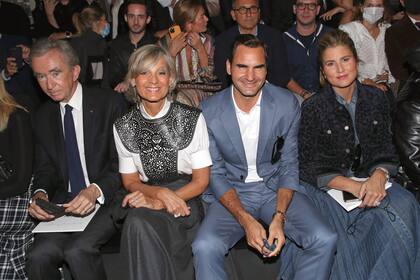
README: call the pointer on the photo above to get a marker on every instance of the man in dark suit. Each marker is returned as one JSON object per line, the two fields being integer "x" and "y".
{"x": 402, "y": 37}
{"x": 247, "y": 15}
{"x": 253, "y": 145}
{"x": 76, "y": 163}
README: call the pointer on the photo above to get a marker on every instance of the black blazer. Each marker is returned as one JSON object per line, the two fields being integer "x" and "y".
{"x": 278, "y": 69}
{"x": 400, "y": 38}
{"x": 100, "y": 109}
{"x": 327, "y": 141}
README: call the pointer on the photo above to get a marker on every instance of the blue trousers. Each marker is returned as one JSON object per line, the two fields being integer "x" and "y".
{"x": 304, "y": 225}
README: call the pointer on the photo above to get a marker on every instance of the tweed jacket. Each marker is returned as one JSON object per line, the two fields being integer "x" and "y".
{"x": 327, "y": 139}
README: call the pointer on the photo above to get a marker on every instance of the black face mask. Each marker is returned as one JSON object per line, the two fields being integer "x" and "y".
{"x": 412, "y": 7}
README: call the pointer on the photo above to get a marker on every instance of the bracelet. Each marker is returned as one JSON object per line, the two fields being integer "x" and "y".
{"x": 385, "y": 171}
{"x": 279, "y": 212}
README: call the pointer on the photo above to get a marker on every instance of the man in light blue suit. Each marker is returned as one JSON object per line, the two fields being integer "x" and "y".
{"x": 252, "y": 129}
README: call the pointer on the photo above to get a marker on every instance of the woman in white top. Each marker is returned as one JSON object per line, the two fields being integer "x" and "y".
{"x": 368, "y": 35}
{"x": 164, "y": 164}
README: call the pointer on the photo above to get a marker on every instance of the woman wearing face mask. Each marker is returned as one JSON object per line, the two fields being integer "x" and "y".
{"x": 192, "y": 50}
{"x": 90, "y": 44}
{"x": 368, "y": 35}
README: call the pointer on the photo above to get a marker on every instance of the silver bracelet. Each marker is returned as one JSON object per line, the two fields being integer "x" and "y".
{"x": 385, "y": 171}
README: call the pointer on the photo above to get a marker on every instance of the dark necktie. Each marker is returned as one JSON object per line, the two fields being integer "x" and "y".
{"x": 417, "y": 25}
{"x": 74, "y": 165}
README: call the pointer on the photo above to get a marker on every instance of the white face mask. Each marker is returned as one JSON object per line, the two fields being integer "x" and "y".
{"x": 373, "y": 14}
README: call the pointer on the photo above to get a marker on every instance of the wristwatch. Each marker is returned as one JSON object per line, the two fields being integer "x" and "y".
{"x": 68, "y": 34}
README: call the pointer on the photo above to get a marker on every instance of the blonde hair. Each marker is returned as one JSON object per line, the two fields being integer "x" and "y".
{"x": 185, "y": 11}
{"x": 142, "y": 60}
{"x": 7, "y": 106}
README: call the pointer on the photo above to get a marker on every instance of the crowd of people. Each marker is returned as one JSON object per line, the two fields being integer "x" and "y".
{"x": 195, "y": 123}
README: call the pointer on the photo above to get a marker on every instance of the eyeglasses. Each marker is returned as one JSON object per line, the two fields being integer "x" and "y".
{"x": 309, "y": 6}
{"x": 245, "y": 10}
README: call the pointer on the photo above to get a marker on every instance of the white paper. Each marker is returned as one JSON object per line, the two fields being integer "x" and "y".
{"x": 350, "y": 205}
{"x": 66, "y": 223}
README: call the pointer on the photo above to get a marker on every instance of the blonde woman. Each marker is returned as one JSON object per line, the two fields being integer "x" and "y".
{"x": 192, "y": 49}
{"x": 164, "y": 159}
{"x": 15, "y": 177}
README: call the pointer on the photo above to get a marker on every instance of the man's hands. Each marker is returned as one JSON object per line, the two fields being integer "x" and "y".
{"x": 254, "y": 231}
{"x": 276, "y": 235}
{"x": 35, "y": 211}
{"x": 255, "y": 235}
{"x": 84, "y": 202}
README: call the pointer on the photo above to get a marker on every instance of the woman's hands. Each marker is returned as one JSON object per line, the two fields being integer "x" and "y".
{"x": 177, "y": 44}
{"x": 173, "y": 203}
{"x": 373, "y": 189}
{"x": 165, "y": 199}
{"x": 138, "y": 199}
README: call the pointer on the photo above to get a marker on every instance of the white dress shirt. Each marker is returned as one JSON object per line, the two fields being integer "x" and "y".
{"x": 76, "y": 102}
{"x": 249, "y": 125}
{"x": 195, "y": 156}
{"x": 414, "y": 22}
{"x": 371, "y": 52}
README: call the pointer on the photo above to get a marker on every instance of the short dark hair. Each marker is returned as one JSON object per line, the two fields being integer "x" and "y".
{"x": 250, "y": 41}
{"x": 137, "y": 2}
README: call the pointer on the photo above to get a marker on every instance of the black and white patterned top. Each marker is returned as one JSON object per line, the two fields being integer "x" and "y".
{"x": 173, "y": 142}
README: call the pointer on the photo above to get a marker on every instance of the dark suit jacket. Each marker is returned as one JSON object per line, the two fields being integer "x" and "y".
{"x": 278, "y": 69}
{"x": 100, "y": 109}
{"x": 400, "y": 38}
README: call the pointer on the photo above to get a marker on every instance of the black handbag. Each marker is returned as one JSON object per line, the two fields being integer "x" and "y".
{"x": 6, "y": 170}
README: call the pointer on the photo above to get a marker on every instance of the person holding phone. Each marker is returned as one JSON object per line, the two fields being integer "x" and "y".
{"x": 16, "y": 59}
{"x": 345, "y": 132}
{"x": 192, "y": 49}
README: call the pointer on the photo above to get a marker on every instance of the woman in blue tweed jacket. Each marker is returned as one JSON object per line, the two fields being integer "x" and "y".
{"x": 345, "y": 132}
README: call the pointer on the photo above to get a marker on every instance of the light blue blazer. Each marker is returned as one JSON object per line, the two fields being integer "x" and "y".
{"x": 280, "y": 113}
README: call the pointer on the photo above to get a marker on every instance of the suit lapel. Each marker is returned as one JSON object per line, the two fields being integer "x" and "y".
{"x": 58, "y": 135}
{"x": 266, "y": 121}
{"x": 88, "y": 126}
{"x": 230, "y": 123}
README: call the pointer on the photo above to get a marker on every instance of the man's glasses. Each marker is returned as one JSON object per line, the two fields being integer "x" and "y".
{"x": 309, "y": 6}
{"x": 245, "y": 10}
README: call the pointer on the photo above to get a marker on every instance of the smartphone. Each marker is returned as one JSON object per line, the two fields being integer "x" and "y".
{"x": 174, "y": 31}
{"x": 51, "y": 208}
{"x": 348, "y": 197}
{"x": 16, "y": 53}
